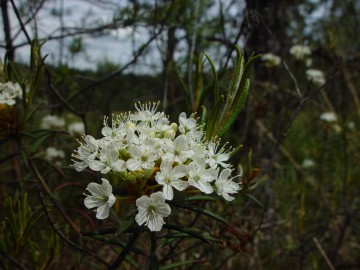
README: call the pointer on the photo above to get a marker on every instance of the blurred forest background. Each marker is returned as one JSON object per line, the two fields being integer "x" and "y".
{"x": 299, "y": 128}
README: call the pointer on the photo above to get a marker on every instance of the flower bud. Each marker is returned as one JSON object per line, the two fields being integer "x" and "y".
{"x": 169, "y": 134}
{"x": 148, "y": 173}
{"x": 130, "y": 125}
{"x": 123, "y": 154}
{"x": 174, "y": 126}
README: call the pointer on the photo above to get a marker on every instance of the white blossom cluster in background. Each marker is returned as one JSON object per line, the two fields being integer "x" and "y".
{"x": 56, "y": 122}
{"x": 52, "y": 121}
{"x": 166, "y": 155}
{"x": 9, "y": 91}
{"x": 54, "y": 155}
{"x": 300, "y": 52}
{"x": 316, "y": 76}
{"x": 271, "y": 60}
{"x": 329, "y": 117}
{"x": 76, "y": 128}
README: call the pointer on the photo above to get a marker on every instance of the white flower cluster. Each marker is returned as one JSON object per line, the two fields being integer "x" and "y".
{"x": 316, "y": 76}
{"x": 55, "y": 155}
{"x": 271, "y": 60}
{"x": 52, "y": 121}
{"x": 9, "y": 91}
{"x": 300, "y": 52}
{"x": 328, "y": 117}
{"x": 77, "y": 128}
{"x": 164, "y": 154}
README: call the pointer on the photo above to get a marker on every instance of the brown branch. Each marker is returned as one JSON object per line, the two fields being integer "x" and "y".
{"x": 17, "y": 13}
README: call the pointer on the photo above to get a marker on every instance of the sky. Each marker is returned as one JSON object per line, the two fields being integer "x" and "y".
{"x": 116, "y": 46}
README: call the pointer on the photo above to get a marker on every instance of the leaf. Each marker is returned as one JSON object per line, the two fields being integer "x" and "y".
{"x": 39, "y": 140}
{"x": 56, "y": 168}
{"x": 172, "y": 237}
{"x": 33, "y": 110}
{"x": 216, "y": 81}
{"x": 236, "y": 150}
{"x": 189, "y": 232}
{"x": 183, "y": 84}
{"x": 178, "y": 264}
{"x": 202, "y": 211}
{"x": 238, "y": 109}
{"x": 199, "y": 93}
{"x": 199, "y": 198}
{"x": 213, "y": 117}
{"x": 243, "y": 81}
{"x": 127, "y": 224}
{"x": 255, "y": 200}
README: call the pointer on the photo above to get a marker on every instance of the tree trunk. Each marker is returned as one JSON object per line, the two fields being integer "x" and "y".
{"x": 6, "y": 21}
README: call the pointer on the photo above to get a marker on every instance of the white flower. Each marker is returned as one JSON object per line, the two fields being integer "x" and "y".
{"x": 177, "y": 150}
{"x": 109, "y": 160}
{"x": 147, "y": 113}
{"x": 308, "y": 62}
{"x": 86, "y": 152}
{"x": 142, "y": 156}
{"x": 101, "y": 197}
{"x": 316, "y": 76}
{"x": 308, "y": 163}
{"x": 328, "y": 117}
{"x": 225, "y": 185}
{"x": 152, "y": 210}
{"x": 169, "y": 177}
{"x": 215, "y": 157}
{"x": 300, "y": 52}
{"x": 77, "y": 128}
{"x": 9, "y": 91}
{"x": 200, "y": 177}
{"x": 189, "y": 127}
{"x": 52, "y": 121}
{"x": 271, "y": 60}
{"x": 51, "y": 153}
{"x": 351, "y": 125}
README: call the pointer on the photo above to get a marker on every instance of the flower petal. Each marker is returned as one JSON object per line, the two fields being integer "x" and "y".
{"x": 103, "y": 211}
{"x": 95, "y": 189}
{"x": 91, "y": 202}
{"x": 168, "y": 192}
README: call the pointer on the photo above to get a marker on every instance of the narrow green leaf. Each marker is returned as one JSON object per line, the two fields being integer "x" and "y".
{"x": 237, "y": 110}
{"x": 202, "y": 211}
{"x": 39, "y": 141}
{"x": 33, "y": 110}
{"x": 233, "y": 86}
{"x": 213, "y": 117}
{"x": 236, "y": 150}
{"x": 243, "y": 81}
{"x": 199, "y": 78}
{"x": 172, "y": 237}
{"x": 35, "y": 217}
{"x": 216, "y": 81}
{"x": 189, "y": 232}
{"x": 254, "y": 199}
{"x": 237, "y": 73}
{"x": 127, "y": 224}
{"x": 199, "y": 198}
{"x": 182, "y": 82}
